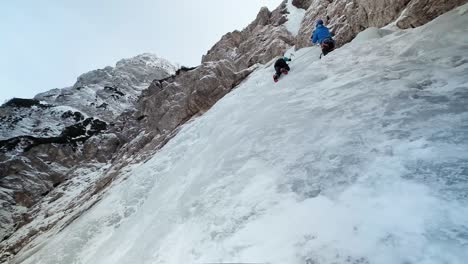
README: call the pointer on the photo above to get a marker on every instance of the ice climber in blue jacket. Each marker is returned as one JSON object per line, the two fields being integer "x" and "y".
{"x": 322, "y": 36}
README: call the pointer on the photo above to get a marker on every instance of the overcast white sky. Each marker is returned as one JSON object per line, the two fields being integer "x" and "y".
{"x": 48, "y": 44}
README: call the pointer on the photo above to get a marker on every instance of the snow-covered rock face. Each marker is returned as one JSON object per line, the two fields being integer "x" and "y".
{"x": 103, "y": 93}
{"x": 42, "y": 120}
{"x": 360, "y": 157}
{"x": 43, "y": 140}
{"x": 349, "y": 17}
{"x": 110, "y": 91}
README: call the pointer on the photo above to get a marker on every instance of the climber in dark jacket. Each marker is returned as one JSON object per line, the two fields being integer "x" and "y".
{"x": 281, "y": 67}
{"x": 322, "y": 36}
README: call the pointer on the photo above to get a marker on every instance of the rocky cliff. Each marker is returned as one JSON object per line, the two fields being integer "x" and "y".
{"x": 348, "y": 17}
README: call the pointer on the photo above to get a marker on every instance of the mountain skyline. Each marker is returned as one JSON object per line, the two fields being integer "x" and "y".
{"x": 47, "y": 46}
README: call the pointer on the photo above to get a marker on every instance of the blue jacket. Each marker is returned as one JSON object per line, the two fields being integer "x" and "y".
{"x": 321, "y": 32}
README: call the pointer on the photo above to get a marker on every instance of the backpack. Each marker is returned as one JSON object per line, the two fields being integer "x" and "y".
{"x": 328, "y": 44}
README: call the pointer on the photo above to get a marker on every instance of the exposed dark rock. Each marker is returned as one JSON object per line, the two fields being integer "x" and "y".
{"x": 103, "y": 105}
{"x": 184, "y": 69}
{"x": 141, "y": 117}
{"x": 304, "y": 4}
{"x": 113, "y": 90}
{"x": 77, "y": 116}
{"x": 79, "y": 132}
{"x": 20, "y": 102}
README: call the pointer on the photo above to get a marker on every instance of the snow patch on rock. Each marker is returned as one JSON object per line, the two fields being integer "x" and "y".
{"x": 295, "y": 17}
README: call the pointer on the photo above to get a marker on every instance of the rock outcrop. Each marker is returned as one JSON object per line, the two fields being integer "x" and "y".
{"x": 259, "y": 42}
{"x": 418, "y": 13}
{"x": 304, "y": 4}
{"x": 347, "y": 18}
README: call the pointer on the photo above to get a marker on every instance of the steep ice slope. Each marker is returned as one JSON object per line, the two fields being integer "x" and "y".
{"x": 358, "y": 158}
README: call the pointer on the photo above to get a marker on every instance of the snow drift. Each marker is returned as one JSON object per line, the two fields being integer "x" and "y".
{"x": 358, "y": 158}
